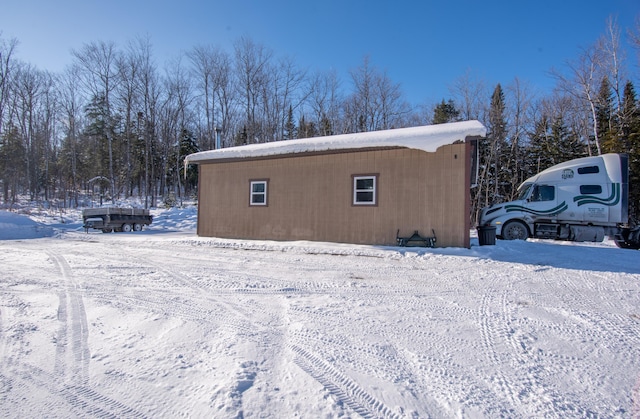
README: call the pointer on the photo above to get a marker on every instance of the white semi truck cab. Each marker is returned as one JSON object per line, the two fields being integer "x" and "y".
{"x": 584, "y": 199}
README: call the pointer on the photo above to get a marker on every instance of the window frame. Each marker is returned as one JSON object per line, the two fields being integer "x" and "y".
{"x": 354, "y": 190}
{"x": 264, "y": 193}
{"x": 591, "y": 189}
{"x": 588, "y": 170}
{"x": 539, "y": 193}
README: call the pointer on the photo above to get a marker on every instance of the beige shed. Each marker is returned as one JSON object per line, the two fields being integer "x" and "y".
{"x": 363, "y": 188}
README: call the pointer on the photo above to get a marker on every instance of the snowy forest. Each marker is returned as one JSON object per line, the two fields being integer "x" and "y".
{"x": 114, "y": 125}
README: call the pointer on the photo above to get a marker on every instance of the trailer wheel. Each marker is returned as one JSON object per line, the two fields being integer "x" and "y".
{"x": 515, "y": 230}
{"x": 126, "y": 227}
{"x": 137, "y": 227}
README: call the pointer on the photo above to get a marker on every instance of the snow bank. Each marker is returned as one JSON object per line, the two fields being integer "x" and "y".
{"x": 15, "y": 226}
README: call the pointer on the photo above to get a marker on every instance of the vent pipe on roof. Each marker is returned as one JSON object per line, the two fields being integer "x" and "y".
{"x": 218, "y": 130}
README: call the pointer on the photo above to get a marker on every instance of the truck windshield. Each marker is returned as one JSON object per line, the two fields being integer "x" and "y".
{"x": 523, "y": 191}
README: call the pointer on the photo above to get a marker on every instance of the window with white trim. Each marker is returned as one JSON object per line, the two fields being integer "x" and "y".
{"x": 365, "y": 190}
{"x": 258, "y": 195}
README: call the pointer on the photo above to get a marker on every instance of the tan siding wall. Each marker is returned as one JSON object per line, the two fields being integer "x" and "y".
{"x": 310, "y": 197}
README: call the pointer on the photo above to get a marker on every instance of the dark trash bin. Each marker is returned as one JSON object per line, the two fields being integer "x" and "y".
{"x": 487, "y": 235}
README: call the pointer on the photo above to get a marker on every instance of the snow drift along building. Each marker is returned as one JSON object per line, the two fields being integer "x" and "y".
{"x": 353, "y": 188}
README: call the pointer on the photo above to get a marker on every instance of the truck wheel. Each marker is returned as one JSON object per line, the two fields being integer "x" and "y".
{"x": 515, "y": 230}
{"x": 623, "y": 244}
{"x": 107, "y": 230}
{"x": 137, "y": 227}
{"x": 126, "y": 228}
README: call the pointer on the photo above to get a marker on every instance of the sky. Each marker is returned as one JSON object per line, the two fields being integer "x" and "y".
{"x": 425, "y": 46}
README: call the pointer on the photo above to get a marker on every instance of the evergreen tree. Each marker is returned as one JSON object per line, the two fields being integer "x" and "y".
{"x": 13, "y": 157}
{"x": 604, "y": 112}
{"x": 325, "y": 126}
{"x": 499, "y": 150}
{"x": 539, "y": 151}
{"x": 306, "y": 129}
{"x": 627, "y": 140}
{"x": 494, "y": 179}
{"x": 241, "y": 137}
{"x": 95, "y": 150}
{"x": 188, "y": 145}
{"x": 181, "y": 177}
{"x": 102, "y": 150}
{"x": 290, "y": 126}
{"x": 563, "y": 143}
{"x": 445, "y": 112}
{"x": 552, "y": 142}
{"x": 630, "y": 112}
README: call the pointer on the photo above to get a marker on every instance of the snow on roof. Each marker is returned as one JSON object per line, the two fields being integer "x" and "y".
{"x": 427, "y": 138}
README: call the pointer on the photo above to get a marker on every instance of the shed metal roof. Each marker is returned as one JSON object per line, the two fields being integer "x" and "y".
{"x": 427, "y": 138}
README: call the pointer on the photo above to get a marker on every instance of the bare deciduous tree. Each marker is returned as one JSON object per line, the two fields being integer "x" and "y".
{"x": 612, "y": 60}
{"x": 7, "y": 49}
{"x": 519, "y": 100}
{"x": 252, "y": 63}
{"x": 470, "y": 97}
{"x": 582, "y": 84}
{"x": 283, "y": 91}
{"x": 209, "y": 65}
{"x": 376, "y": 102}
{"x": 71, "y": 120}
{"x": 97, "y": 63}
{"x": 27, "y": 89}
{"x": 325, "y": 101}
{"x": 176, "y": 116}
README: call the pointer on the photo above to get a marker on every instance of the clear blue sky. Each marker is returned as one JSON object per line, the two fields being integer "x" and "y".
{"x": 425, "y": 45}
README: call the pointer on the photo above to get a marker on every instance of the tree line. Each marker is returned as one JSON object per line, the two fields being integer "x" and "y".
{"x": 114, "y": 125}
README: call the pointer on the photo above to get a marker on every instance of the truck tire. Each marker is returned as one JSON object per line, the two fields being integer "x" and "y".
{"x": 107, "y": 230}
{"x": 623, "y": 244}
{"x": 515, "y": 230}
{"x": 126, "y": 227}
{"x": 137, "y": 227}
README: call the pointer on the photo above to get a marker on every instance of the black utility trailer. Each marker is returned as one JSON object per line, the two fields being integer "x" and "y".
{"x": 116, "y": 219}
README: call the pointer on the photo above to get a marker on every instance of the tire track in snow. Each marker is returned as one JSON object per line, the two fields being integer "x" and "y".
{"x": 441, "y": 375}
{"x": 237, "y": 316}
{"x": 589, "y": 304}
{"x": 73, "y": 324}
{"x": 391, "y": 358}
{"x": 529, "y": 374}
{"x": 14, "y": 346}
{"x": 182, "y": 297}
{"x": 6, "y": 383}
{"x": 600, "y": 313}
{"x": 340, "y": 386}
{"x": 516, "y": 336}
{"x": 80, "y": 399}
{"x": 71, "y": 369}
{"x": 599, "y": 309}
{"x": 508, "y": 346}
{"x": 488, "y": 329}
{"x": 238, "y": 285}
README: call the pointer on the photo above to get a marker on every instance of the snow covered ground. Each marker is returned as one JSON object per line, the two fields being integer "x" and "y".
{"x": 162, "y": 323}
